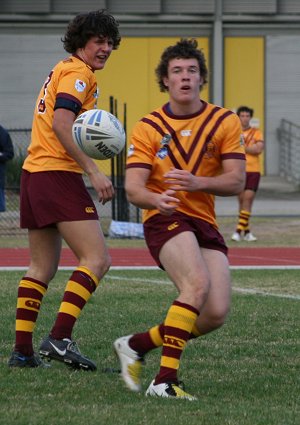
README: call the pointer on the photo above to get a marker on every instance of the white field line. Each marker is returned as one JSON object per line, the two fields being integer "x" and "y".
{"x": 251, "y": 291}
{"x": 157, "y": 281}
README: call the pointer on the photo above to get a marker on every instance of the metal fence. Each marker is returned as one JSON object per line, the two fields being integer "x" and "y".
{"x": 288, "y": 135}
{"x": 118, "y": 209}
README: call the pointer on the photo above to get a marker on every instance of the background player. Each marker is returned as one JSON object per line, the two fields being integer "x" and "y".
{"x": 6, "y": 154}
{"x": 180, "y": 156}
{"x": 54, "y": 201}
{"x": 254, "y": 146}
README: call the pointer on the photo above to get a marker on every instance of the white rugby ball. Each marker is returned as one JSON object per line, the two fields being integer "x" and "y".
{"x": 99, "y": 134}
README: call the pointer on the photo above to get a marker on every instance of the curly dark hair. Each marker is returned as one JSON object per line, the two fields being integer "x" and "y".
{"x": 87, "y": 25}
{"x": 245, "y": 109}
{"x": 183, "y": 49}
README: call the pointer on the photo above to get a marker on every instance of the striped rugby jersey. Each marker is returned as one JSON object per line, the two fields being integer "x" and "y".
{"x": 71, "y": 85}
{"x": 197, "y": 143}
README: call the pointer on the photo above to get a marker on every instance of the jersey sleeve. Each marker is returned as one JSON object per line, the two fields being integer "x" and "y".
{"x": 141, "y": 151}
{"x": 259, "y": 136}
{"x": 232, "y": 146}
{"x": 72, "y": 91}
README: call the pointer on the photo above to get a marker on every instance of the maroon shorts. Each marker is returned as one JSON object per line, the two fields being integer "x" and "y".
{"x": 160, "y": 228}
{"x": 252, "y": 181}
{"x": 50, "y": 197}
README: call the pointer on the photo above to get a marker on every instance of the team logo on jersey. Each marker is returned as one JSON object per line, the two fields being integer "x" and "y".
{"x": 186, "y": 133}
{"x": 130, "y": 150}
{"x": 242, "y": 140}
{"x": 163, "y": 152}
{"x": 210, "y": 150}
{"x": 166, "y": 139}
{"x": 80, "y": 85}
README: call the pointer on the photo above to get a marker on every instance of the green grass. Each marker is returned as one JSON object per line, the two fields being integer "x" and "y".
{"x": 270, "y": 231}
{"x": 247, "y": 373}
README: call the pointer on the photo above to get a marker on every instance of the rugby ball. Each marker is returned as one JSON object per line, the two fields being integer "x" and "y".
{"x": 99, "y": 134}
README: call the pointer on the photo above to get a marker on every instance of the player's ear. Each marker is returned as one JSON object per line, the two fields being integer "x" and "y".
{"x": 166, "y": 81}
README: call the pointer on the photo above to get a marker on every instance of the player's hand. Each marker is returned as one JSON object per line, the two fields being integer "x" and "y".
{"x": 167, "y": 203}
{"x": 103, "y": 186}
{"x": 181, "y": 180}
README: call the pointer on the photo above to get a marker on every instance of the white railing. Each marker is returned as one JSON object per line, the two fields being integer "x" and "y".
{"x": 288, "y": 135}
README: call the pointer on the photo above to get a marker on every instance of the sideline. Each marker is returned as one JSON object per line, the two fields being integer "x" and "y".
{"x": 246, "y": 291}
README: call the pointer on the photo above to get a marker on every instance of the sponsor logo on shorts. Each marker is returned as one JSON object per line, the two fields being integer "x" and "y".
{"x": 173, "y": 225}
{"x": 89, "y": 210}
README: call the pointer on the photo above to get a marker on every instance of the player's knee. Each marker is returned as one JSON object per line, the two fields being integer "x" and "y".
{"x": 101, "y": 265}
{"x": 41, "y": 272}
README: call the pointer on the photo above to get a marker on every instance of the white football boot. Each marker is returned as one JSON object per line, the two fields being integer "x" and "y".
{"x": 169, "y": 390}
{"x": 249, "y": 237}
{"x": 236, "y": 237}
{"x": 131, "y": 363}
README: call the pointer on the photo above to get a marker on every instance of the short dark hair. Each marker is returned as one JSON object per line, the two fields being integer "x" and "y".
{"x": 183, "y": 49}
{"x": 245, "y": 109}
{"x": 87, "y": 25}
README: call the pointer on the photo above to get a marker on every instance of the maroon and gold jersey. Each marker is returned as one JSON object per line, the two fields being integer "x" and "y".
{"x": 197, "y": 143}
{"x": 251, "y": 136}
{"x": 70, "y": 85}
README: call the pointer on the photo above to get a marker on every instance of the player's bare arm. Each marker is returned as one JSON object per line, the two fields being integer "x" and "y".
{"x": 139, "y": 195}
{"x": 230, "y": 182}
{"x": 62, "y": 126}
{"x": 256, "y": 148}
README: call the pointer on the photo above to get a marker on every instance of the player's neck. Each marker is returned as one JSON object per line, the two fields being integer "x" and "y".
{"x": 185, "y": 109}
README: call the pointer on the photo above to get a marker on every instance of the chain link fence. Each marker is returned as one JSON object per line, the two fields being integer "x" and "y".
{"x": 118, "y": 209}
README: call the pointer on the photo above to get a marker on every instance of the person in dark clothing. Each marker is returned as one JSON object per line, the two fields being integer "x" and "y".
{"x": 6, "y": 153}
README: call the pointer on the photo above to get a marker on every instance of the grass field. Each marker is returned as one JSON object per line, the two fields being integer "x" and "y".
{"x": 271, "y": 231}
{"x": 247, "y": 373}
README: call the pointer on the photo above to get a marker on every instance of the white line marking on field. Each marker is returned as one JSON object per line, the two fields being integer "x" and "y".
{"x": 251, "y": 291}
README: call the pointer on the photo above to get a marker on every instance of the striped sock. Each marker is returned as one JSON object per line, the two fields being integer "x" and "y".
{"x": 146, "y": 341}
{"x": 243, "y": 224}
{"x": 179, "y": 323}
{"x": 79, "y": 289}
{"x": 30, "y": 296}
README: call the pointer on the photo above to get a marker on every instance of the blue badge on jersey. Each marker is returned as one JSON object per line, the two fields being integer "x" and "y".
{"x": 163, "y": 152}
